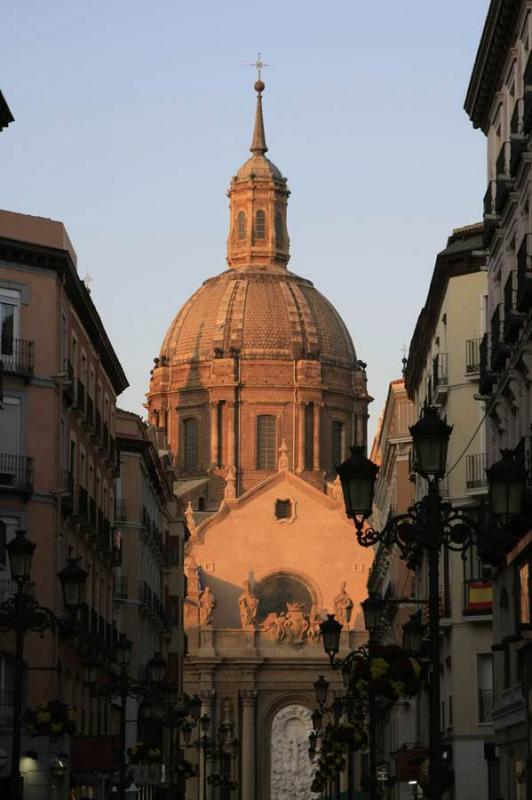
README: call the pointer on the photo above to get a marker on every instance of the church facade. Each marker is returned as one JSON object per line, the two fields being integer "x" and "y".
{"x": 260, "y": 392}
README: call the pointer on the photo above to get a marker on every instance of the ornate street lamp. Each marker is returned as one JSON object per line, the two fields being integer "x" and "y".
{"x": 428, "y": 526}
{"x": 430, "y": 440}
{"x": 73, "y": 580}
{"x": 331, "y": 631}
{"x": 372, "y": 608}
{"x": 506, "y": 481}
{"x": 20, "y": 552}
{"x": 156, "y": 669}
{"x": 413, "y": 632}
{"x": 357, "y": 476}
{"x": 321, "y": 689}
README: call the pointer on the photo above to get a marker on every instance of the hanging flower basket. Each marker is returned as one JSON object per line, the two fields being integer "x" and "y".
{"x": 142, "y": 753}
{"x": 50, "y": 719}
{"x": 186, "y": 769}
{"x": 391, "y": 672}
{"x": 337, "y": 741}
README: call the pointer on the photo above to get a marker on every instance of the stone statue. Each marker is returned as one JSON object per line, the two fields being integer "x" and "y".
{"x": 314, "y": 631}
{"x": 207, "y": 604}
{"x": 343, "y": 606}
{"x": 248, "y": 605}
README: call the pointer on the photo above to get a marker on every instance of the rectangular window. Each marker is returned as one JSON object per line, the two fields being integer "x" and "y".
{"x": 190, "y": 444}
{"x": 525, "y": 615}
{"x": 309, "y": 436}
{"x": 485, "y": 686}
{"x": 9, "y": 322}
{"x": 266, "y": 442}
{"x": 338, "y": 436}
{"x": 7, "y": 690}
{"x": 219, "y": 422}
{"x": 283, "y": 509}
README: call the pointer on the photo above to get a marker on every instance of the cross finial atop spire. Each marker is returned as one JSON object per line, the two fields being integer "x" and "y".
{"x": 258, "y": 144}
{"x": 259, "y": 65}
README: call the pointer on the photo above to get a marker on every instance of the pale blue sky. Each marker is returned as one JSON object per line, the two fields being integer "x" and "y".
{"x": 131, "y": 118}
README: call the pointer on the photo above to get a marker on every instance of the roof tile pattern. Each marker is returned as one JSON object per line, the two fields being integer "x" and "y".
{"x": 265, "y": 315}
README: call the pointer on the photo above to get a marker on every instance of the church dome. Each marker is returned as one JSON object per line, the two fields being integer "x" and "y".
{"x": 272, "y": 315}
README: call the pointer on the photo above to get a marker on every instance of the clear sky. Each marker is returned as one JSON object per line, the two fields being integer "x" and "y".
{"x": 131, "y": 118}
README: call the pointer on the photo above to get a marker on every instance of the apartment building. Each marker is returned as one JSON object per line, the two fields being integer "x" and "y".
{"x": 442, "y": 370}
{"x": 148, "y": 603}
{"x": 58, "y": 466}
{"x": 389, "y": 577}
{"x": 499, "y": 103}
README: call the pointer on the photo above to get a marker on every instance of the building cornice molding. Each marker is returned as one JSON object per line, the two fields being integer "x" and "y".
{"x": 497, "y": 36}
{"x": 60, "y": 262}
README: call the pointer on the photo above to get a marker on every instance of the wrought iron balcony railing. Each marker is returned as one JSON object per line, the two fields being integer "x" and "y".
{"x": 473, "y": 355}
{"x": 17, "y": 356}
{"x": 16, "y": 473}
{"x": 476, "y": 471}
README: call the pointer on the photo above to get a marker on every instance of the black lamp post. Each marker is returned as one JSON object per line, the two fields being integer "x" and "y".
{"x": 22, "y": 614}
{"x": 427, "y": 527}
{"x": 220, "y": 750}
{"x": 372, "y": 608}
{"x": 122, "y": 685}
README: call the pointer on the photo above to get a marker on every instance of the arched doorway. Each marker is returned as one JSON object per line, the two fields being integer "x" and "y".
{"x": 291, "y": 770}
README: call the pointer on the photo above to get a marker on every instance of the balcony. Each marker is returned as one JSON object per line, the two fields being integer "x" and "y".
{"x": 518, "y": 140}
{"x": 98, "y": 425}
{"x": 7, "y": 703}
{"x": 120, "y": 588}
{"x": 120, "y": 511}
{"x": 81, "y": 397}
{"x": 513, "y": 319}
{"x": 491, "y": 220}
{"x": 89, "y": 412}
{"x": 440, "y": 379}
{"x": 473, "y": 356}
{"x": 69, "y": 387}
{"x": 524, "y": 276}
{"x": 105, "y": 437}
{"x": 476, "y": 472}
{"x": 67, "y": 494}
{"x": 499, "y": 350}
{"x": 17, "y": 356}
{"x": 83, "y": 504}
{"x": 527, "y": 97}
{"x": 505, "y": 183}
{"x": 485, "y": 705}
{"x": 16, "y": 474}
{"x": 478, "y": 598}
{"x": 486, "y": 379}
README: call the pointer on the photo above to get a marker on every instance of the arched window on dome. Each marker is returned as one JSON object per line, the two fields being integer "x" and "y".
{"x": 260, "y": 224}
{"x": 241, "y": 225}
{"x": 190, "y": 444}
{"x": 337, "y": 443}
{"x": 266, "y": 442}
{"x": 279, "y": 232}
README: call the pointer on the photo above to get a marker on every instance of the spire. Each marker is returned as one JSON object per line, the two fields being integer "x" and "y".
{"x": 258, "y": 145}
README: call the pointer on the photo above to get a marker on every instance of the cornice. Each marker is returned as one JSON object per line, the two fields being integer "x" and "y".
{"x": 497, "y": 36}
{"x": 59, "y": 261}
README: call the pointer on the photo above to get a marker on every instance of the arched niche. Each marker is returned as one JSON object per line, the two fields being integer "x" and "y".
{"x": 278, "y": 589}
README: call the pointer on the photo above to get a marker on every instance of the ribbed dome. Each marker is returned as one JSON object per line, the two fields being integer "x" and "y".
{"x": 259, "y": 166}
{"x": 263, "y": 314}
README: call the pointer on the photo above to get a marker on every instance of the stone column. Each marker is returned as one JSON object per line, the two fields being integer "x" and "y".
{"x": 207, "y": 707}
{"x": 301, "y": 438}
{"x": 214, "y": 433}
{"x": 247, "y": 740}
{"x": 231, "y": 433}
{"x": 316, "y": 439}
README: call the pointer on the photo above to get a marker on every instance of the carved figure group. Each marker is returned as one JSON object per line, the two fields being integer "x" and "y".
{"x": 207, "y": 604}
{"x": 294, "y": 626}
{"x": 343, "y": 606}
{"x": 248, "y": 605}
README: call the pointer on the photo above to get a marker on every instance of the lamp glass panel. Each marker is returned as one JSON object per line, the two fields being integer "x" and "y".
{"x": 358, "y": 494}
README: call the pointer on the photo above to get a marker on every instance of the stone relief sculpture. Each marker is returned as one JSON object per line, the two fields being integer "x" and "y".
{"x": 294, "y": 626}
{"x": 207, "y": 604}
{"x": 248, "y": 605}
{"x": 343, "y": 606}
{"x": 291, "y": 769}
